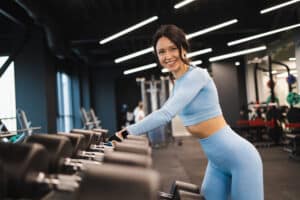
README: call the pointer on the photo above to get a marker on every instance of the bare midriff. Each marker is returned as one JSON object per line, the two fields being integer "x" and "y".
{"x": 206, "y": 128}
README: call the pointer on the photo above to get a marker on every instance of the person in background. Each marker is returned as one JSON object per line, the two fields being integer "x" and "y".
{"x": 138, "y": 112}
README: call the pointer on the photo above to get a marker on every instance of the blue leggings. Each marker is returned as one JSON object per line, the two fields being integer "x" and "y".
{"x": 234, "y": 170}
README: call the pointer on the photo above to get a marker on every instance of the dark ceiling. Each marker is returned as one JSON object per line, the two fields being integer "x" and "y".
{"x": 76, "y": 26}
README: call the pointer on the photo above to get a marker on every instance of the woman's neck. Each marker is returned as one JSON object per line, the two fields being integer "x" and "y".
{"x": 182, "y": 70}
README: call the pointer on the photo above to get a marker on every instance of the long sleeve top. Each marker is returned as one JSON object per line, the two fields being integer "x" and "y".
{"x": 194, "y": 98}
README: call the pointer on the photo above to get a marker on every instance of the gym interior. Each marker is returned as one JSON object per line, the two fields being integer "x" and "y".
{"x": 72, "y": 74}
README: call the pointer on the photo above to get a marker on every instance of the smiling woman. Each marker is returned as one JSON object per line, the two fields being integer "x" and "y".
{"x": 195, "y": 99}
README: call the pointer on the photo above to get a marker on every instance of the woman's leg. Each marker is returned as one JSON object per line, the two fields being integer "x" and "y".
{"x": 237, "y": 157}
{"x": 216, "y": 184}
{"x": 247, "y": 176}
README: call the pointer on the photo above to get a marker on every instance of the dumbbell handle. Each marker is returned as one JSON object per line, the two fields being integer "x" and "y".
{"x": 59, "y": 182}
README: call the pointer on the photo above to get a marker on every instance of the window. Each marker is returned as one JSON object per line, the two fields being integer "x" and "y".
{"x": 8, "y": 96}
{"x": 65, "y": 114}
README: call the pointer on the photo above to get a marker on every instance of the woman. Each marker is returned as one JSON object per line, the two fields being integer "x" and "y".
{"x": 234, "y": 168}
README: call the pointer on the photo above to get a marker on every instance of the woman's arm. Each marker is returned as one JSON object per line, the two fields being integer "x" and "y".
{"x": 186, "y": 89}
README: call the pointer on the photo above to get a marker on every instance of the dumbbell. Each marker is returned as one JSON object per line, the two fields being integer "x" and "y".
{"x": 104, "y": 133}
{"x": 182, "y": 191}
{"x": 111, "y": 156}
{"x": 107, "y": 182}
{"x": 115, "y": 182}
{"x": 141, "y": 147}
{"x": 64, "y": 161}
{"x": 23, "y": 170}
{"x": 93, "y": 137}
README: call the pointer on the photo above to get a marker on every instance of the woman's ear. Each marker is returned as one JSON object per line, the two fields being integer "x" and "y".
{"x": 183, "y": 51}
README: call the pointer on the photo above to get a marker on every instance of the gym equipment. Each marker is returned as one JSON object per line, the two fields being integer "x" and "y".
{"x": 24, "y": 167}
{"x": 89, "y": 119}
{"x": 115, "y": 182}
{"x": 124, "y": 146}
{"x": 158, "y": 93}
{"x": 293, "y": 98}
{"x": 62, "y": 147}
{"x": 182, "y": 191}
{"x": 291, "y": 79}
{"x": 271, "y": 123}
{"x": 25, "y": 176}
{"x": 92, "y": 137}
{"x": 19, "y": 135}
{"x": 292, "y": 142}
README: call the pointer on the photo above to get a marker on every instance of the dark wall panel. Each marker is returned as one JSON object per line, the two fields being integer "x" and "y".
{"x": 226, "y": 78}
{"x": 104, "y": 97}
{"x": 36, "y": 83}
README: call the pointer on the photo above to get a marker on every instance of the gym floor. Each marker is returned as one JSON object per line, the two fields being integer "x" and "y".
{"x": 187, "y": 163}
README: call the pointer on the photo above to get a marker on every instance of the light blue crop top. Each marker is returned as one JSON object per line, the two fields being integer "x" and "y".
{"x": 194, "y": 99}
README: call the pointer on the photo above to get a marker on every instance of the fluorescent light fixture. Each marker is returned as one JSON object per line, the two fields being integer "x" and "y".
{"x": 237, "y": 63}
{"x": 188, "y": 36}
{"x": 292, "y": 59}
{"x": 197, "y": 53}
{"x": 278, "y": 6}
{"x": 196, "y": 62}
{"x": 212, "y": 28}
{"x": 132, "y": 28}
{"x": 133, "y": 55}
{"x": 182, "y": 3}
{"x": 235, "y": 42}
{"x": 274, "y": 72}
{"x": 141, "y": 68}
{"x": 165, "y": 70}
{"x": 238, "y": 53}
{"x": 151, "y": 49}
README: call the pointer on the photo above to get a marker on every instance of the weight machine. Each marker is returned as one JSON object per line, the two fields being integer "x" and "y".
{"x": 154, "y": 94}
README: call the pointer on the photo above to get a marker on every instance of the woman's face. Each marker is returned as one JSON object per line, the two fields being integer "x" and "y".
{"x": 168, "y": 54}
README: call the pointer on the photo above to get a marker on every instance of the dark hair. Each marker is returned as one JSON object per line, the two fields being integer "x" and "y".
{"x": 176, "y": 35}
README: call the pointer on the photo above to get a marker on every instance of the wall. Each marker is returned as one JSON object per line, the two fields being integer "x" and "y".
{"x": 103, "y": 96}
{"x": 231, "y": 89}
{"x": 35, "y": 76}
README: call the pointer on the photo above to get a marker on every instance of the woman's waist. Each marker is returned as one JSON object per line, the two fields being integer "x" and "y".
{"x": 208, "y": 127}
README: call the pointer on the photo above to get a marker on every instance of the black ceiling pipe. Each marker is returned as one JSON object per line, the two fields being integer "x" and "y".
{"x": 54, "y": 37}
{"x": 256, "y": 68}
{"x": 287, "y": 69}
{"x": 12, "y": 18}
{"x": 272, "y": 85}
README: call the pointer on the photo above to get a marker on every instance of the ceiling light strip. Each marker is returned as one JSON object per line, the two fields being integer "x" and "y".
{"x": 165, "y": 70}
{"x": 188, "y": 36}
{"x": 196, "y": 62}
{"x": 197, "y": 53}
{"x": 278, "y": 6}
{"x": 151, "y": 49}
{"x": 133, "y": 55}
{"x": 246, "y": 39}
{"x": 238, "y": 53}
{"x": 182, "y": 3}
{"x": 292, "y": 59}
{"x": 212, "y": 28}
{"x": 132, "y": 28}
{"x": 141, "y": 68}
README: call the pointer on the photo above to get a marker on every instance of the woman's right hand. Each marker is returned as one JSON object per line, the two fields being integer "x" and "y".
{"x": 116, "y": 137}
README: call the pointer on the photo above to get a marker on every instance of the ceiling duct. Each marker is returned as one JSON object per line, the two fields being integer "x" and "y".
{"x": 55, "y": 39}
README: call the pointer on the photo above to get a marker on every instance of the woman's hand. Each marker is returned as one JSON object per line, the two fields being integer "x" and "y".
{"x": 119, "y": 136}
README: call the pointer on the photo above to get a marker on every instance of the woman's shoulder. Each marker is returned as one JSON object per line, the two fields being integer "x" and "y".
{"x": 197, "y": 71}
